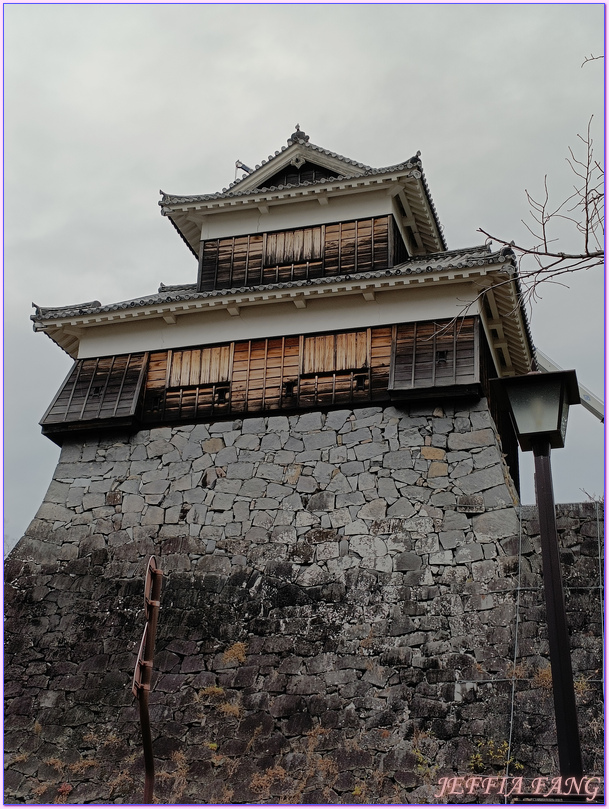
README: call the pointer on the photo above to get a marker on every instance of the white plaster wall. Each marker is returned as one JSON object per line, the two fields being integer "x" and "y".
{"x": 292, "y": 215}
{"x": 325, "y": 313}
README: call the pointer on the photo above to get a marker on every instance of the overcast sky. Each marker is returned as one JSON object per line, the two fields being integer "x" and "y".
{"x": 105, "y": 104}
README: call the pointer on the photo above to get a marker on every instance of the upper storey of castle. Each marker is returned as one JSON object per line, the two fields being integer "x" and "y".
{"x": 307, "y": 242}
{"x": 387, "y": 216}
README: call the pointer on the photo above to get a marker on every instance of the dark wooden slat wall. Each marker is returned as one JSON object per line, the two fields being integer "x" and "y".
{"x": 288, "y": 373}
{"x": 271, "y": 374}
{"x": 341, "y": 248}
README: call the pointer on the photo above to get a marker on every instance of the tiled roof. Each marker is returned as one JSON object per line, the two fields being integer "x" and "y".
{"x": 451, "y": 259}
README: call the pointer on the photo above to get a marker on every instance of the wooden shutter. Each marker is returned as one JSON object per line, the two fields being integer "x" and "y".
{"x": 328, "y": 353}
{"x": 199, "y": 366}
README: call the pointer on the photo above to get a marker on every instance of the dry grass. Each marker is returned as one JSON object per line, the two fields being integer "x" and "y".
{"x": 81, "y": 767}
{"x": 582, "y": 687}
{"x": 231, "y": 709}
{"x": 213, "y": 691}
{"x": 261, "y": 782}
{"x": 236, "y": 653}
{"x": 62, "y": 793}
{"x": 517, "y": 672}
{"x": 543, "y": 679}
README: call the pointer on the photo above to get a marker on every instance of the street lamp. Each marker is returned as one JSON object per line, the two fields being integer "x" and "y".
{"x": 538, "y": 404}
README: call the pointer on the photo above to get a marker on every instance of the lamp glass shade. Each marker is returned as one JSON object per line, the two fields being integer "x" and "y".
{"x": 536, "y": 408}
{"x": 539, "y": 405}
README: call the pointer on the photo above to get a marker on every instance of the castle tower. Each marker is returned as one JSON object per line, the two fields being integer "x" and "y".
{"x": 305, "y": 440}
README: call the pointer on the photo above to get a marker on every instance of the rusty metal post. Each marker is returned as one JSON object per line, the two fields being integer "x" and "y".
{"x": 143, "y": 669}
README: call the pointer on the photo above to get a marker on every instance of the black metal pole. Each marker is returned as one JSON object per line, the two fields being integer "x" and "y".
{"x": 567, "y": 731}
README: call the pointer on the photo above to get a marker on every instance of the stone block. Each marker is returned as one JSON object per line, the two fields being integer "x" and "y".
{"x": 498, "y": 497}
{"x": 74, "y": 497}
{"x": 451, "y": 539}
{"x": 471, "y": 440}
{"x": 54, "y": 513}
{"x": 269, "y": 471}
{"x": 277, "y": 424}
{"x": 307, "y": 484}
{"x": 327, "y": 550}
{"x": 407, "y": 561}
{"x": 271, "y": 442}
{"x": 402, "y": 459}
{"x": 496, "y": 524}
{"x": 313, "y": 441}
{"x": 352, "y": 468}
{"x": 320, "y": 535}
{"x": 305, "y": 684}
{"x": 482, "y": 479}
{"x": 155, "y": 487}
{"x": 453, "y": 520}
{"x": 242, "y": 471}
{"x": 366, "y": 481}
{"x": 153, "y": 516}
{"x": 410, "y": 437}
{"x": 417, "y": 494}
{"x": 254, "y": 425}
{"x": 255, "y": 487}
{"x": 308, "y": 421}
{"x": 357, "y": 437}
{"x": 313, "y": 576}
{"x": 336, "y": 419}
{"x": 367, "y": 546}
{"x": 160, "y": 447}
{"x": 322, "y": 501}
{"x": 441, "y": 558}
{"x": 462, "y": 468}
{"x": 373, "y": 510}
{"x": 339, "y": 484}
{"x": 433, "y": 453}
{"x": 355, "y": 527}
{"x": 226, "y": 456}
{"x": 401, "y": 508}
{"x": 364, "y": 452}
{"x": 213, "y": 445}
{"x": 283, "y": 533}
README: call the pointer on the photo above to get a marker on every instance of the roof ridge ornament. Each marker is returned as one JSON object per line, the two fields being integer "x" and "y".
{"x": 299, "y": 136}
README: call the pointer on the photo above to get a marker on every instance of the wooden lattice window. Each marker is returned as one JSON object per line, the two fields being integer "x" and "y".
{"x": 199, "y": 366}
{"x": 98, "y": 389}
{"x": 329, "y": 353}
{"x": 435, "y": 354}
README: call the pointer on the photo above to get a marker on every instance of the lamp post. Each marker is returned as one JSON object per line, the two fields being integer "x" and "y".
{"x": 539, "y": 404}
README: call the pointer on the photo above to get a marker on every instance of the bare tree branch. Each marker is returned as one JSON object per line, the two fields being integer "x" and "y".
{"x": 583, "y": 210}
{"x": 591, "y": 58}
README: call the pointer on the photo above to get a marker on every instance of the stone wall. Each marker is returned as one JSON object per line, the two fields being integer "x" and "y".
{"x": 337, "y": 624}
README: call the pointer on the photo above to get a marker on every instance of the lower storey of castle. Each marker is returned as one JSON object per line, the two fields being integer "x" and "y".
{"x": 352, "y": 610}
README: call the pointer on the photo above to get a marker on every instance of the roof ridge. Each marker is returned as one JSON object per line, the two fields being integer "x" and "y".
{"x": 169, "y": 199}
{"x": 306, "y": 145}
{"x": 422, "y": 264}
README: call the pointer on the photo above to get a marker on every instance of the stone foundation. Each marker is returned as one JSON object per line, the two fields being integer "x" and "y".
{"x": 338, "y": 618}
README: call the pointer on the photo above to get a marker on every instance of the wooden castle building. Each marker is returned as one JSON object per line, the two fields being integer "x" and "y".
{"x": 305, "y": 438}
